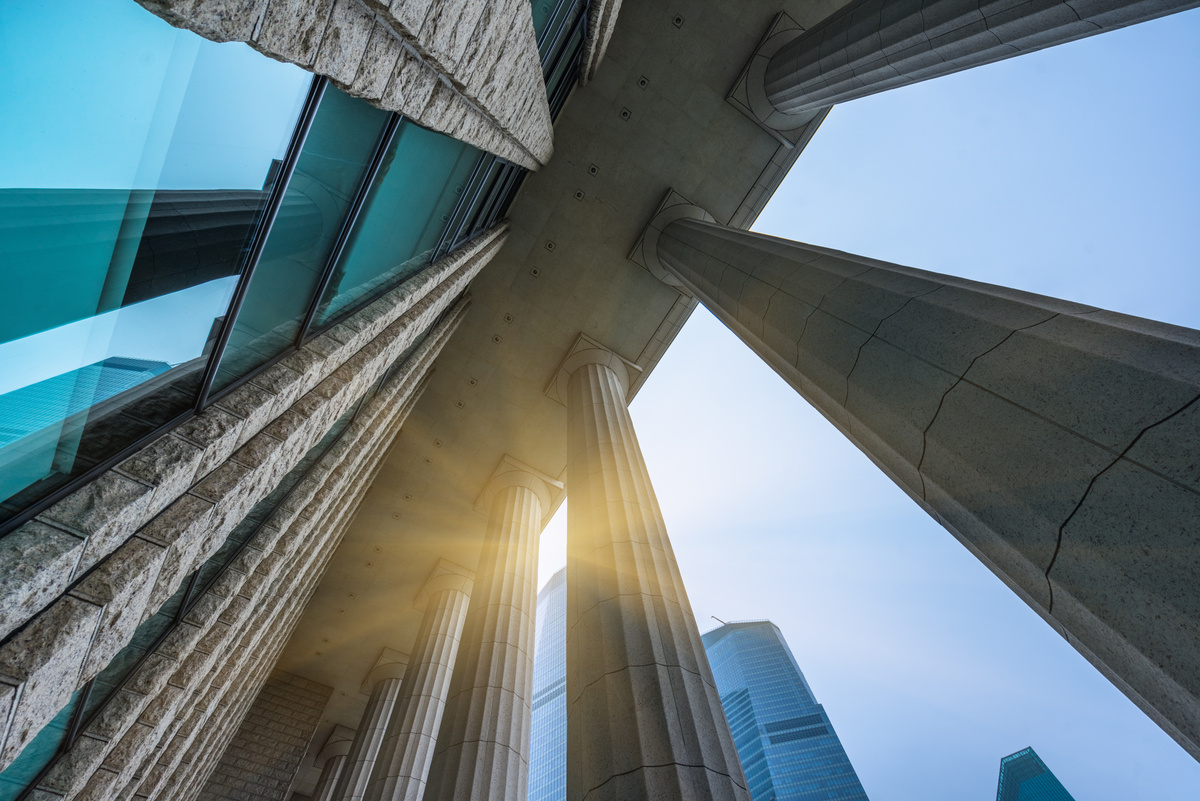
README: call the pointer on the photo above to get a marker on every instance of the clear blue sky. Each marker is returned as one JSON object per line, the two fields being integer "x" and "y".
{"x": 1073, "y": 172}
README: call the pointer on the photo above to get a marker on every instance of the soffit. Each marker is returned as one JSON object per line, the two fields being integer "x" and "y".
{"x": 680, "y": 133}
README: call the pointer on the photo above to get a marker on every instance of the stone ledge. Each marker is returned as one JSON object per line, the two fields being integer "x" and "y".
{"x": 157, "y": 702}
{"x": 98, "y": 518}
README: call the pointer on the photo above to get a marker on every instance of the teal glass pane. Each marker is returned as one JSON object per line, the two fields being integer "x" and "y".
{"x": 562, "y": 16}
{"x": 37, "y": 753}
{"x": 410, "y": 202}
{"x": 341, "y": 141}
{"x": 136, "y": 157}
{"x": 542, "y": 11}
{"x": 483, "y": 193}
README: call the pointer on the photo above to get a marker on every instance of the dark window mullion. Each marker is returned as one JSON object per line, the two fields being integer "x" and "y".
{"x": 449, "y": 237}
{"x": 488, "y": 213}
{"x": 550, "y": 28}
{"x": 561, "y": 35}
{"x": 360, "y": 199}
{"x": 274, "y": 202}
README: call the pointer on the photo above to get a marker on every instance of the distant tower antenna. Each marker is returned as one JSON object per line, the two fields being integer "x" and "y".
{"x": 722, "y": 622}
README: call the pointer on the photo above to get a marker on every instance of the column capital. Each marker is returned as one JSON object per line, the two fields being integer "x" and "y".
{"x": 515, "y": 473}
{"x": 586, "y": 350}
{"x": 391, "y": 664}
{"x": 645, "y": 251}
{"x": 337, "y": 743}
{"x": 749, "y": 92}
{"x": 445, "y": 576}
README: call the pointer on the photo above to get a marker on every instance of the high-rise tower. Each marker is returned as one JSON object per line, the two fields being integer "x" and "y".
{"x": 787, "y": 744}
{"x": 1025, "y": 777}
{"x": 548, "y": 729}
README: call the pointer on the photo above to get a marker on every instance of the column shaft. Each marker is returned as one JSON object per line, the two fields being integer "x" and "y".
{"x": 644, "y": 720}
{"x": 1055, "y": 440}
{"x": 335, "y": 766}
{"x": 368, "y": 740}
{"x": 873, "y": 45}
{"x": 403, "y": 762}
{"x": 483, "y": 749}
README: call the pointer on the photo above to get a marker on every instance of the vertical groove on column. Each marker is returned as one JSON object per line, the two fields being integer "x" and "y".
{"x": 368, "y": 740}
{"x": 403, "y": 763}
{"x": 330, "y": 774}
{"x": 644, "y": 719}
{"x": 483, "y": 748}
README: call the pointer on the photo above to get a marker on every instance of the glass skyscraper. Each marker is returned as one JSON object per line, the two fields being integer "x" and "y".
{"x": 787, "y": 745}
{"x": 1025, "y": 777}
{"x": 548, "y": 727}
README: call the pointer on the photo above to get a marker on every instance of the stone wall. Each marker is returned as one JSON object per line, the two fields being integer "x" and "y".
{"x": 121, "y": 545}
{"x": 468, "y": 68}
{"x": 166, "y": 730}
{"x": 262, "y": 758}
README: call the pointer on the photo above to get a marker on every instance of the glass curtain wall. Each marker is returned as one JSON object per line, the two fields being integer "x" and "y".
{"x": 177, "y": 214}
{"x": 333, "y": 161}
{"x": 137, "y": 160}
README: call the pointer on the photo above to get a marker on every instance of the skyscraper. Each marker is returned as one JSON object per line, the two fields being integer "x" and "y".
{"x": 1025, "y": 777}
{"x": 787, "y": 744}
{"x": 548, "y": 729}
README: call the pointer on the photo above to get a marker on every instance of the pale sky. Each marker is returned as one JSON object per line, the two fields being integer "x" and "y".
{"x": 1072, "y": 172}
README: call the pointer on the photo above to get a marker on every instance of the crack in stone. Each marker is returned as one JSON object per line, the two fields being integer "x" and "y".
{"x": 874, "y": 335}
{"x": 606, "y": 674}
{"x": 665, "y": 765}
{"x": 817, "y": 306}
{"x": 959, "y": 380}
{"x": 1083, "y": 498}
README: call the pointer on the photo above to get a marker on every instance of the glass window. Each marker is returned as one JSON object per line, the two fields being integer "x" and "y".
{"x": 555, "y": 28}
{"x": 137, "y": 157}
{"x": 486, "y": 190}
{"x": 459, "y": 226}
{"x": 564, "y": 70}
{"x": 410, "y": 202}
{"x": 336, "y": 154}
{"x": 37, "y": 753}
{"x": 542, "y": 11}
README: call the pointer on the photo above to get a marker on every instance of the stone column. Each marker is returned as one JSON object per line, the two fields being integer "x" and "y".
{"x": 482, "y": 751}
{"x": 1056, "y": 441}
{"x": 384, "y": 683}
{"x": 644, "y": 720}
{"x": 334, "y": 753}
{"x": 872, "y": 45}
{"x": 403, "y": 762}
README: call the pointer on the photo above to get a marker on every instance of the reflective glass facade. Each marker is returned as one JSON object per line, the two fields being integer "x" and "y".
{"x": 176, "y": 215}
{"x": 787, "y": 745}
{"x": 127, "y": 195}
{"x": 1025, "y": 777}
{"x": 548, "y": 730}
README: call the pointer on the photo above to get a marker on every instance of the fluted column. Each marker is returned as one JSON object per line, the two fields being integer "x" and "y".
{"x": 334, "y": 752}
{"x": 482, "y": 751}
{"x": 1055, "y": 440}
{"x": 403, "y": 763}
{"x": 385, "y": 681}
{"x": 644, "y": 720}
{"x": 872, "y": 45}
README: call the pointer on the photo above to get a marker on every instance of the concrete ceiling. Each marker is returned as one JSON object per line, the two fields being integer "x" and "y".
{"x": 486, "y": 397}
